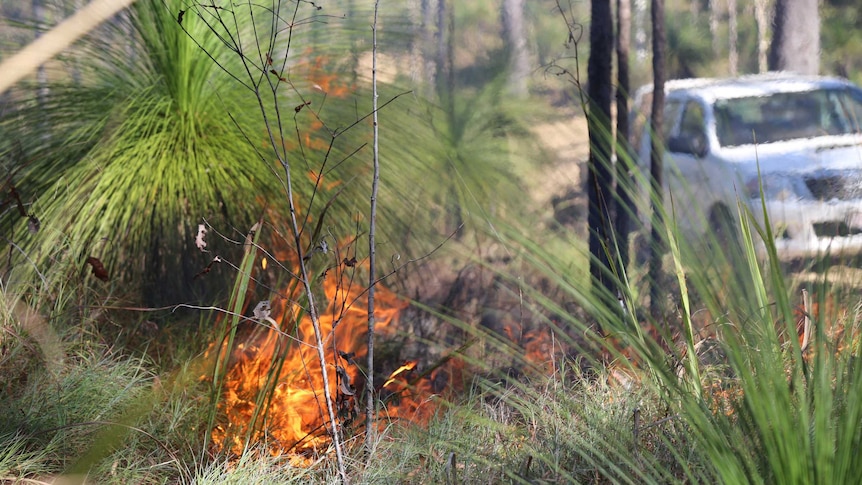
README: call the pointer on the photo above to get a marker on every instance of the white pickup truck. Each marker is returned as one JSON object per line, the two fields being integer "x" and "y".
{"x": 804, "y": 134}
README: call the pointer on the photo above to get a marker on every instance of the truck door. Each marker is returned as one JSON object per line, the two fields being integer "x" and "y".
{"x": 688, "y": 192}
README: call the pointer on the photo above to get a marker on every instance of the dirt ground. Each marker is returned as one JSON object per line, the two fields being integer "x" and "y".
{"x": 568, "y": 142}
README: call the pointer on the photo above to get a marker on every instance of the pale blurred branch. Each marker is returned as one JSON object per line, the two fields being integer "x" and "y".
{"x": 57, "y": 39}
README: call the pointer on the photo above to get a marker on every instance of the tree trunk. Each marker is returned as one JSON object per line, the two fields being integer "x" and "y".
{"x": 713, "y": 25}
{"x": 796, "y": 39}
{"x": 40, "y": 14}
{"x": 762, "y": 20}
{"x": 657, "y": 245}
{"x": 599, "y": 177}
{"x": 515, "y": 35}
{"x": 450, "y": 59}
{"x": 423, "y": 60}
{"x": 441, "y": 57}
{"x": 624, "y": 182}
{"x": 732, "y": 37}
{"x": 641, "y": 48}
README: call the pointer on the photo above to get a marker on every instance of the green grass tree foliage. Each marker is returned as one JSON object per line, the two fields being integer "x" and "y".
{"x": 163, "y": 131}
{"x": 465, "y": 157}
{"x": 138, "y": 153}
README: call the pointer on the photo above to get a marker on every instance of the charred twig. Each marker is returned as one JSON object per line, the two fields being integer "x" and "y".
{"x": 208, "y": 267}
{"x": 451, "y": 472}
{"x": 636, "y": 418}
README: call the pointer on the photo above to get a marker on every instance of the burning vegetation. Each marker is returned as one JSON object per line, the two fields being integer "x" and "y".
{"x": 272, "y": 392}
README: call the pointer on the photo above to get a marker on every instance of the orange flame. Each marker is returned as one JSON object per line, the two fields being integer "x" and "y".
{"x": 273, "y": 389}
{"x": 404, "y": 368}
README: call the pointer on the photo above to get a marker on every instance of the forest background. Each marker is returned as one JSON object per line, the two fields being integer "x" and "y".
{"x": 115, "y": 295}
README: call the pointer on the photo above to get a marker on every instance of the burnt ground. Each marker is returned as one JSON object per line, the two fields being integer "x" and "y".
{"x": 469, "y": 308}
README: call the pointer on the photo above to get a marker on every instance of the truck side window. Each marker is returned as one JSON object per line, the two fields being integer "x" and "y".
{"x": 672, "y": 108}
{"x": 692, "y": 131}
{"x": 692, "y": 120}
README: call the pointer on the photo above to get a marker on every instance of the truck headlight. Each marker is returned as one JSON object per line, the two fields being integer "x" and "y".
{"x": 779, "y": 187}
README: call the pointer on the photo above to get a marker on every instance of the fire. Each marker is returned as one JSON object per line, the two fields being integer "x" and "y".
{"x": 540, "y": 349}
{"x": 404, "y": 368}
{"x": 413, "y": 398}
{"x": 273, "y": 389}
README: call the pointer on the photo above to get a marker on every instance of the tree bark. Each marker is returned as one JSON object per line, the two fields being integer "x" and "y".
{"x": 515, "y": 34}
{"x": 762, "y": 20}
{"x": 370, "y": 404}
{"x": 732, "y": 38}
{"x": 713, "y": 25}
{"x": 796, "y": 39}
{"x": 441, "y": 58}
{"x": 599, "y": 177}
{"x": 657, "y": 244}
{"x": 40, "y": 14}
{"x": 422, "y": 46}
{"x": 641, "y": 47}
{"x": 624, "y": 182}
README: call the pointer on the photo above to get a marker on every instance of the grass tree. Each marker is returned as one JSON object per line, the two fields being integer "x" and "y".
{"x": 139, "y": 153}
{"x": 158, "y": 136}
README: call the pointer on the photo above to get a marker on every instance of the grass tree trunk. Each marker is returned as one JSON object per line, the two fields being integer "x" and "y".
{"x": 600, "y": 178}
{"x": 796, "y": 39}
{"x": 657, "y": 243}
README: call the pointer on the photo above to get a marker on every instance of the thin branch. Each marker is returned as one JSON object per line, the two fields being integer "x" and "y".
{"x": 372, "y": 249}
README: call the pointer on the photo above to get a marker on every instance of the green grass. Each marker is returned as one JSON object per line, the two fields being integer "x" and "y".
{"x": 108, "y": 415}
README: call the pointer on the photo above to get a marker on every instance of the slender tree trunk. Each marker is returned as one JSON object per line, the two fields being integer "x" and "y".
{"x": 428, "y": 70}
{"x": 732, "y": 37}
{"x": 441, "y": 57}
{"x": 713, "y": 25}
{"x": 417, "y": 42}
{"x": 515, "y": 34}
{"x": 624, "y": 182}
{"x": 762, "y": 20}
{"x": 657, "y": 244}
{"x": 600, "y": 178}
{"x": 450, "y": 57}
{"x": 796, "y": 39}
{"x": 40, "y": 14}
{"x": 370, "y": 425}
{"x": 641, "y": 47}
{"x": 74, "y": 69}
